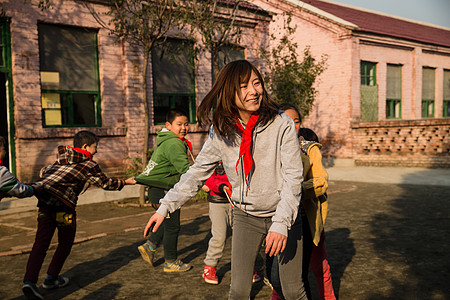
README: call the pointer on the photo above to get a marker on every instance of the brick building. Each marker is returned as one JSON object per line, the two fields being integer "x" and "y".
{"x": 384, "y": 98}
{"x": 62, "y": 72}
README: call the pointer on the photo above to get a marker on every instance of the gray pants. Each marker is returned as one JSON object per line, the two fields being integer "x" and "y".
{"x": 221, "y": 216}
{"x": 248, "y": 234}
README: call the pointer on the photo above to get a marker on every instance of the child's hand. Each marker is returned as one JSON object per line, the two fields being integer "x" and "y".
{"x": 37, "y": 187}
{"x": 205, "y": 188}
{"x": 153, "y": 224}
{"x": 130, "y": 180}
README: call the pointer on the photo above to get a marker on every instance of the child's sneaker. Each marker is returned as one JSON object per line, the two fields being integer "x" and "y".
{"x": 147, "y": 253}
{"x": 256, "y": 277}
{"x": 209, "y": 275}
{"x": 176, "y": 266}
{"x": 31, "y": 291}
{"x": 53, "y": 283}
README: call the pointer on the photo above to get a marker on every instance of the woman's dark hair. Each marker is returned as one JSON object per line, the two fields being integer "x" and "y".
{"x": 309, "y": 135}
{"x": 84, "y": 137}
{"x": 219, "y": 107}
{"x": 286, "y": 106}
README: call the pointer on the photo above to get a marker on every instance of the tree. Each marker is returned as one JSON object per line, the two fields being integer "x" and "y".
{"x": 143, "y": 24}
{"x": 290, "y": 77}
{"x": 216, "y": 21}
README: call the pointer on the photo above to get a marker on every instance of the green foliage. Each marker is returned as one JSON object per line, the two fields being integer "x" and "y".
{"x": 135, "y": 166}
{"x": 144, "y": 23}
{"x": 290, "y": 77}
{"x": 42, "y": 4}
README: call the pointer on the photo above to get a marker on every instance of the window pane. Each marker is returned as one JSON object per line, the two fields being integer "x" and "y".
{"x": 428, "y": 83}
{"x": 368, "y": 73}
{"x": 394, "y": 82}
{"x": 161, "y": 105}
{"x": 428, "y": 109}
{"x": 55, "y": 107}
{"x": 446, "y": 85}
{"x": 173, "y": 70}
{"x": 71, "y": 54}
{"x": 84, "y": 109}
{"x": 228, "y": 54}
{"x": 397, "y": 109}
{"x": 184, "y": 102}
{"x": 447, "y": 108}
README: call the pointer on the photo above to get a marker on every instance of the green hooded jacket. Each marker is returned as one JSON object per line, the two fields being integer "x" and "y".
{"x": 168, "y": 162}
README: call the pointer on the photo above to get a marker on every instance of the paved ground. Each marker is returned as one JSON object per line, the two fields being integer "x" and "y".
{"x": 384, "y": 240}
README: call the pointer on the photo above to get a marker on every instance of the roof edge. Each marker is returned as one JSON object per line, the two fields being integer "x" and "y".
{"x": 324, "y": 14}
{"x": 383, "y": 14}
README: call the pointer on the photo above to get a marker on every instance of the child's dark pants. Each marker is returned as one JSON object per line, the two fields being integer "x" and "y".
{"x": 168, "y": 231}
{"x": 48, "y": 221}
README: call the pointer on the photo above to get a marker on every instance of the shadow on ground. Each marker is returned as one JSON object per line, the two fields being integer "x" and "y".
{"x": 412, "y": 239}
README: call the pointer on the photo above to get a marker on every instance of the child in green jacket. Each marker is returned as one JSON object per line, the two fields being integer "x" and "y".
{"x": 168, "y": 162}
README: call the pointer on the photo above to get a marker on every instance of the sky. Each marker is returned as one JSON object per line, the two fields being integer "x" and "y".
{"x": 435, "y": 12}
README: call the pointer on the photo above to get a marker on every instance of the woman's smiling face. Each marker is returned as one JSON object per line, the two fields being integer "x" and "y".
{"x": 251, "y": 95}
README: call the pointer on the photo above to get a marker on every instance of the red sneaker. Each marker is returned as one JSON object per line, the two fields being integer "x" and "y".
{"x": 256, "y": 277}
{"x": 209, "y": 275}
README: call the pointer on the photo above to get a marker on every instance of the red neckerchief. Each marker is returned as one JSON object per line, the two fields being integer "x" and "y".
{"x": 188, "y": 143}
{"x": 1, "y": 163}
{"x": 82, "y": 151}
{"x": 245, "y": 151}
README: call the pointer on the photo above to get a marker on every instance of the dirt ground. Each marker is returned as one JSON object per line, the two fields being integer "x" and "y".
{"x": 384, "y": 241}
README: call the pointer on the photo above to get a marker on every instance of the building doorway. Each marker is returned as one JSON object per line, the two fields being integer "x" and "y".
{"x": 4, "y": 132}
{"x": 6, "y": 101}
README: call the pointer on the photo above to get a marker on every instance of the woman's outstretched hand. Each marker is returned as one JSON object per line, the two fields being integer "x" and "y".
{"x": 153, "y": 224}
{"x": 275, "y": 243}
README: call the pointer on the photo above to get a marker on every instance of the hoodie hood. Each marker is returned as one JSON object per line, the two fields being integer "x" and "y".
{"x": 164, "y": 135}
{"x": 69, "y": 156}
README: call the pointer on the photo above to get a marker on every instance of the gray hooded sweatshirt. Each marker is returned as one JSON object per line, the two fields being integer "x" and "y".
{"x": 274, "y": 185}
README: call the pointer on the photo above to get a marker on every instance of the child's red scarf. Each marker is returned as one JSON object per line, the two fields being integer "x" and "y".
{"x": 245, "y": 151}
{"x": 188, "y": 143}
{"x": 87, "y": 153}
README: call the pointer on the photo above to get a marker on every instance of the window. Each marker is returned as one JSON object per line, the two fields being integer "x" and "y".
{"x": 427, "y": 92}
{"x": 368, "y": 73}
{"x": 369, "y": 92}
{"x": 228, "y": 53}
{"x": 446, "y": 93}
{"x": 173, "y": 79}
{"x": 69, "y": 76}
{"x": 394, "y": 92}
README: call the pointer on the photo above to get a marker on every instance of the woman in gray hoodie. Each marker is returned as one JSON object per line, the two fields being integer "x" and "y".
{"x": 260, "y": 152}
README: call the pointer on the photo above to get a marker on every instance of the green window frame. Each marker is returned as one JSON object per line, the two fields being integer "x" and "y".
{"x": 393, "y": 91}
{"x": 446, "y": 100}
{"x": 173, "y": 79}
{"x": 428, "y": 89}
{"x": 69, "y": 75}
{"x": 368, "y": 73}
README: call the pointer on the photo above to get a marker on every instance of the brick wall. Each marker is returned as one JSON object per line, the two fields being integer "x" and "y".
{"x": 424, "y": 143}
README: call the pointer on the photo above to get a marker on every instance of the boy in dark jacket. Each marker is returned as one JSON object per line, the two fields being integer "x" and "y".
{"x": 9, "y": 185}
{"x": 62, "y": 182}
{"x": 168, "y": 162}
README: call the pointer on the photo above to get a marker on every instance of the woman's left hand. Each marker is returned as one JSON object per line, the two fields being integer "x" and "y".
{"x": 275, "y": 243}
